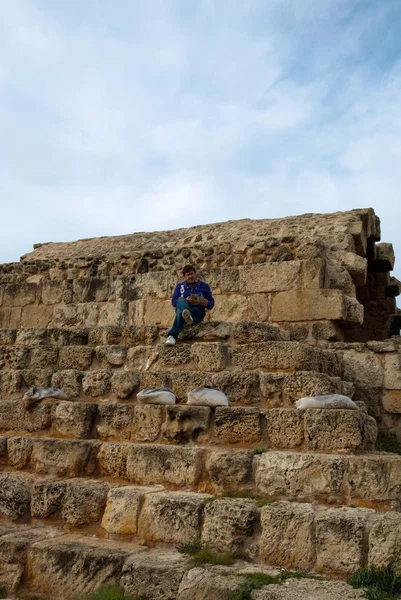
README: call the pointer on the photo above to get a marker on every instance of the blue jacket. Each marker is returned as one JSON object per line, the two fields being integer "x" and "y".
{"x": 183, "y": 290}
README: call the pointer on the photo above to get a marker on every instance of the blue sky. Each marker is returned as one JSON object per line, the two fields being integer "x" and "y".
{"x": 136, "y": 115}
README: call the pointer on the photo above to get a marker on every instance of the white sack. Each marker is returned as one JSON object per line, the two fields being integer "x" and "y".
{"x": 35, "y": 394}
{"x": 157, "y": 396}
{"x": 329, "y": 401}
{"x": 204, "y": 396}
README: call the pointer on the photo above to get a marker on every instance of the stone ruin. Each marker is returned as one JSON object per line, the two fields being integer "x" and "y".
{"x": 98, "y": 488}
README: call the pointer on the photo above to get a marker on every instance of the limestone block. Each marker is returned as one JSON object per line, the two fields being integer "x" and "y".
{"x": 69, "y": 381}
{"x": 91, "y": 289}
{"x": 229, "y": 523}
{"x": 392, "y": 371}
{"x": 222, "y": 280}
{"x": 75, "y": 357}
{"x": 356, "y": 266}
{"x": 258, "y": 307}
{"x": 114, "y": 421}
{"x": 124, "y": 383}
{"x": 113, "y": 314}
{"x": 208, "y": 331}
{"x": 385, "y": 541}
{"x": 68, "y": 568}
{"x": 157, "y": 284}
{"x": 171, "y": 517}
{"x": 13, "y": 416}
{"x": 182, "y": 382}
{"x": 52, "y": 292}
{"x": 36, "y": 377}
{"x": 308, "y": 383}
{"x": 230, "y": 470}
{"x": 112, "y": 459}
{"x": 375, "y": 478}
{"x": 184, "y": 423}
{"x": 286, "y": 356}
{"x": 211, "y": 356}
{"x": 371, "y": 431}
{"x": 240, "y": 387}
{"x": 97, "y": 383}
{"x": 8, "y": 337}
{"x": 123, "y": 507}
{"x": 15, "y": 495}
{"x": 13, "y": 357}
{"x": 287, "y": 534}
{"x": 10, "y": 317}
{"x": 205, "y": 584}
{"x": 113, "y": 356}
{"x": 73, "y": 419}
{"x": 3, "y": 450}
{"x": 337, "y": 277}
{"x": 44, "y": 357}
{"x": 83, "y": 502}
{"x": 14, "y": 547}
{"x": 100, "y": 336}
{"x": 61, "y": 457}
{"x": 334, "y": 429}
{"x": 139, "y": 357}
{"x": 392, "y": 401}
{"x": 326, "y": 330}
{"x": 155, "y": 575}
{"x": 20, "y": 294}
{"x": 271, "y": 389}
{"x": 309, "y": 589}
{"x": 342, "y": 528}
{"x": 174, "y": 356}
{"x": 301, "y": 476}
{"x": 75, "y": 315}
{"x": 47, "y": 498}
{"x": 274, "y": 277}
{"x": 246, "y": 332}
{"x": 284, "y": 428}
{"x": 235, "y": 425}
{"x": 127, "y": 288}
{"x": 230, "y": 308}
{"x": 149, "y": 464}
{"x": 364, "y": 369}
{"x": 147, "y": 422}
{"x": 67, "y": 337}
{"x": 36, "y": 316}
{"x": 157, "y": 312}
{"x": 19, "y": 451}
{"x": 384, "y": 256}
{"x": 315, "y": 305}
{"x": 313, "y": 273}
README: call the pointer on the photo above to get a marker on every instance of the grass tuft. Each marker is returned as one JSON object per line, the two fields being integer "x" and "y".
{"x": 190, "y": 548}
{"x": 3, "y": 591}
{"x": 380, "y": 583}
{"x": 205, "y": 556}
{"x": 255, "y": 581}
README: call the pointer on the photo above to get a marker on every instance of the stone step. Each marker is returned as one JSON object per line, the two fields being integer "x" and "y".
{"x": 127, "y": 519}
{"x": 240, "y": 332}
{"x": 369, "y": 479}
{"x": 199, "y": 356}
{"x": 278, "y": 428}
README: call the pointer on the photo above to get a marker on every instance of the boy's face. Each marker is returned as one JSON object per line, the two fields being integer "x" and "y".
{"x": 190, "y": 277}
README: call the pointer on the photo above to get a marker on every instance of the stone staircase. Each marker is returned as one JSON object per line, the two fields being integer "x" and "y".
{"x": 101, "y": 489}
{"x": 101, "y": 479}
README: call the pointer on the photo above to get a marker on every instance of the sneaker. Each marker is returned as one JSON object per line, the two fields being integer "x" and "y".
{"x": 186, "y": 315}
{"x": 170, "y": 341}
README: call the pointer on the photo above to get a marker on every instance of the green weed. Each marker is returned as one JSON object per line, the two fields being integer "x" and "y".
{"x": 255, "y": 581}
{"x": 111, "y": 592}
{"x": 190, "y": 548}
{"x": 380, "y": 583}
{"x": 3, "y": 592}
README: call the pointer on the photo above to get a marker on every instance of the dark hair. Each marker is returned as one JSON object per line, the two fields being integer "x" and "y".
{"x": 188, "y": 268}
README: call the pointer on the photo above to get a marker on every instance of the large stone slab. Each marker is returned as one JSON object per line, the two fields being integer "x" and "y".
{"x": 315, "y": 305}
{"x": 229, "y": 524}
{"x": 150, "y": 464}
{"x": 123, "y": 507}
{"x": 171, "y": 517}
{"x": 66, "y": 568}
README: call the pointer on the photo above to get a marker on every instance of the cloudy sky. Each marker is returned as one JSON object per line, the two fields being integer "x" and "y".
{"x": 136, "y": 115}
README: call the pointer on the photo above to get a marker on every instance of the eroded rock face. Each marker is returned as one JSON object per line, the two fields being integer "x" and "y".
{"x": 229, "y": 524}
{"x": 15, "y": 495}
{"x": 186, "y": 422}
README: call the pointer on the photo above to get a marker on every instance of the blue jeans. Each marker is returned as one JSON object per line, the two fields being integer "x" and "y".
{"x": 197, "y": 315}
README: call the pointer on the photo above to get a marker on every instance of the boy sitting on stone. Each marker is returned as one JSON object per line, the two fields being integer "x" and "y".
{"x": 190, "y": 299}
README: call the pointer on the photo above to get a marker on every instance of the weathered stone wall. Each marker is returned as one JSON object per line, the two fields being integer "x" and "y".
{"x": 318, "y": 276}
